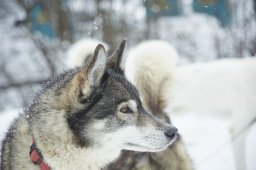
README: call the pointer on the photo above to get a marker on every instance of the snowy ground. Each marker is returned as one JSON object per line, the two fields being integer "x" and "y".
{"x": 5, "y": 119}
{"x": 207, "y": 140}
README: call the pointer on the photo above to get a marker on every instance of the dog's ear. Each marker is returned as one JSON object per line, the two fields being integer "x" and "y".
{"x": 90, "y": 75}
{"x": 114, "y": 60}
{"x": 97, "y": 66}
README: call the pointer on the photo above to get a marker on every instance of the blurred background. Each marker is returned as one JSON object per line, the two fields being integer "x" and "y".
{"x": 35, "y": 35}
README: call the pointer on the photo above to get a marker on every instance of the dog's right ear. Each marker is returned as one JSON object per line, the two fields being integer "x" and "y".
{"x": 92, "y": 72}
{"x": 114, "y": 60}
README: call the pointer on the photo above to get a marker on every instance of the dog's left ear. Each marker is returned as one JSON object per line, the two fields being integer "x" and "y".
{"x": 90, "y": 75}
{"x": 114, "y": 60}
{"x": 97, "y": 67}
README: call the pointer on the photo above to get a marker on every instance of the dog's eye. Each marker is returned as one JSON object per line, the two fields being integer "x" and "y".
{"x": 126, "y": 109}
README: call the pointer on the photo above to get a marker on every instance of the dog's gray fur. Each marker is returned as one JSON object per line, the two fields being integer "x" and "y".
{"x": 83, "y": 118}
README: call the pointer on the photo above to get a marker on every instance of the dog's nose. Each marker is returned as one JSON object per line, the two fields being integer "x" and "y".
{"x": 171, "y": 133}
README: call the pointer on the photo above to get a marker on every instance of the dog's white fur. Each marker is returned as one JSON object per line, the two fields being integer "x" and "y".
{"x": 164, "y": 56}
{"x": 160, "y": 57}
{"x": 77, "y": 53}
{"x": 225, "y": 87}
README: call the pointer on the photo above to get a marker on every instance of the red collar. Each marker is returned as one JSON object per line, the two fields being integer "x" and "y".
{"x": 36, "y": 156}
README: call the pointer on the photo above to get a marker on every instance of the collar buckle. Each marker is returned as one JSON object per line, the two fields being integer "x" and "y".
{"x": 37, "y": 157}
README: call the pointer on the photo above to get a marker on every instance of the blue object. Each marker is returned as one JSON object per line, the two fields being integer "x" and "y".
{"x": 218, "y": 8}
{"x": 39, "y": 22}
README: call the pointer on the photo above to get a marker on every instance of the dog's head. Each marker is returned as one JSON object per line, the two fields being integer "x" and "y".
{"x": 108, "y": 111}
{"x": 103, "y": 108}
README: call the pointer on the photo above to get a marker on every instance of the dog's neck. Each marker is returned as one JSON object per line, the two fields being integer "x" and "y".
{"x": 61, "y": 155}
{"x": 70, "y": 157}
{"x": 61, "y": 152}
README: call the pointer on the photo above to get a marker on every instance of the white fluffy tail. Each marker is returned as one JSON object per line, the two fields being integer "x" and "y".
{"x": 150, "y": 66}
{"x": 79, "y": 51}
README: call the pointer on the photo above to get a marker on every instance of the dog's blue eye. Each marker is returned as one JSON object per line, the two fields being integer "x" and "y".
{"x": 126, "y": 109}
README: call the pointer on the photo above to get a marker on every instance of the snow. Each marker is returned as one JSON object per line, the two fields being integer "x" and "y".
{"x": 207, "y": 140}
{"x": 5, "y": 120}
{"x": 250, "y": 152}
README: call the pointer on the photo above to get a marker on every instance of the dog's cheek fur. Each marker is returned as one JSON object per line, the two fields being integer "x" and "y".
{"x": 83, "y": 124}
{"x": 106, "y": 128}
{"x": 77, "y": 124}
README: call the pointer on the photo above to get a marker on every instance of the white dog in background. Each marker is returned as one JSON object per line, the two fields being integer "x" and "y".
{"x": 153, "y": 61}
{"x": 224, "y": 87}
{"x": 80, "y": 50}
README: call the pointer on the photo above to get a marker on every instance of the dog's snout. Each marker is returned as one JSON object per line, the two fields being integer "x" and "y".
{"x": 171, "y": 133}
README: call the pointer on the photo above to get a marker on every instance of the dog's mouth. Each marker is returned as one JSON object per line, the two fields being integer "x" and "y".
{"x": 153, "y": 142}
{"x": 141, "y": 148}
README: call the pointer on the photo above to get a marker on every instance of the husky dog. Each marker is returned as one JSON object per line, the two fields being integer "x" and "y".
{"x": 83, "y": 118}
{"x": 152, "y": 88}
{"x": 81, "y": 50}
{"x": 143, "y": 64}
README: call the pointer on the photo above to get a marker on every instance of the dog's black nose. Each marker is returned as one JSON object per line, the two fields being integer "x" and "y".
{"x": 171, "y": 133}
